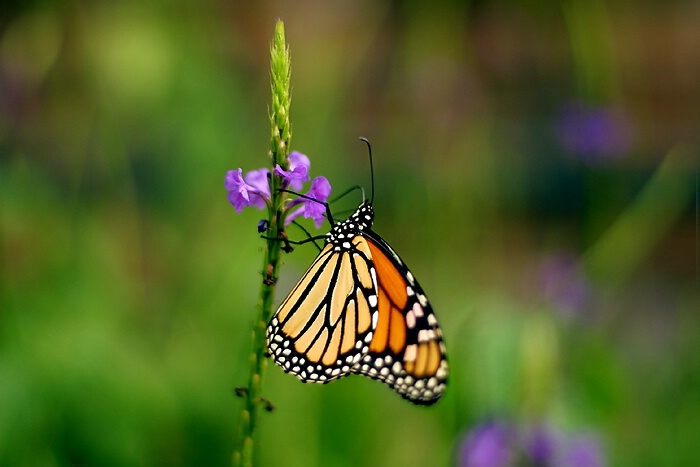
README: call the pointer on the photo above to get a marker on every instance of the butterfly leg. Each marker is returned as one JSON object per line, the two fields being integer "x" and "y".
{"x": 308, "y": 234}
{"x": 287, "y": 248}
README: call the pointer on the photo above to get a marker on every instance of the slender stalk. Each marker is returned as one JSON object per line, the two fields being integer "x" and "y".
{"x": 280, "y": 73}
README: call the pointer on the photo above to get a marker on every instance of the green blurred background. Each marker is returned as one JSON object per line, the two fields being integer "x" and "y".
{"x": 536, "y": 166}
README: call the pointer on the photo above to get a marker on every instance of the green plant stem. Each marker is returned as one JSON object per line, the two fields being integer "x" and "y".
{"x": 281, "y": 135}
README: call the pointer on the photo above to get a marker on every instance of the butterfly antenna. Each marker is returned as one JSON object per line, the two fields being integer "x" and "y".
{"x": 371, "y": 166}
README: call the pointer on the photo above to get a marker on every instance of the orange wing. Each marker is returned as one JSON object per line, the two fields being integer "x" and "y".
{"x": 407, "y": 351}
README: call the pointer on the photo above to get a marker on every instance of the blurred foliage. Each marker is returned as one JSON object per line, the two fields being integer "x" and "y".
{"x": 127, "y": 282}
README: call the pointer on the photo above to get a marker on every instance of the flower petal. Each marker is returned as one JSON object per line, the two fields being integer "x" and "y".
{"x": 320, "y": 189}
{"x": 297, "y": 159}
{"x": 298, "y": 172}
{"x": 313, "y": 206}
{"x": 234, "y": 178}
{"x": 238, "y": 190}
{"x": 260, "y": 182}
{"x": 251, "y": 190}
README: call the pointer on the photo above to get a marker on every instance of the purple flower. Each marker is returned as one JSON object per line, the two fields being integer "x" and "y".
{"x": 487, "y": 445}
{"x": 505, "y": 444}
{"x": 320, "y": 191}
{"x": 251, "y": 190}
{"x": 564, "y": 283}
{"x": 583, "y": 451}
{"x": 298, "y": 172}
{"x": 540, "y": 445}
{"x": 595, "y": 134}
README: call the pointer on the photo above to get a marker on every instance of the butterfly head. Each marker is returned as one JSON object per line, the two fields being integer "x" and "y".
{"x": 360, "y": 220}
{"x": 363, "y": 216}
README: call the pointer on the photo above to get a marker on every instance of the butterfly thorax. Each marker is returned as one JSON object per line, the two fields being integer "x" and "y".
{"x": 360, "y": 220}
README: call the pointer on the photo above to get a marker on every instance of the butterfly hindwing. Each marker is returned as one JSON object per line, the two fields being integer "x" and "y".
{"x": 407, "y": 351}
{"x": 325, "y": 324}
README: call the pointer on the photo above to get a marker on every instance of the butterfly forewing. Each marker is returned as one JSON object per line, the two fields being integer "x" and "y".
{"x": 407, "y": 351}
{"x": 325, "y": 324}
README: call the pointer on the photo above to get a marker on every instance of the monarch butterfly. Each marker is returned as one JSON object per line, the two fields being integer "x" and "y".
{"x": 358, "y": 309}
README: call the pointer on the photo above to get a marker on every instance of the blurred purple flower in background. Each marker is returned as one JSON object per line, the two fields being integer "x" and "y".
{"x": 540, "y": 444}
{"x": 595, "y": 134}
{"x": 499, "y": 443}
{"x": 583, "y": 451}
{"x": 487, "y": 445}
{"x": 564, "y": 283}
